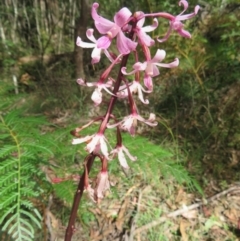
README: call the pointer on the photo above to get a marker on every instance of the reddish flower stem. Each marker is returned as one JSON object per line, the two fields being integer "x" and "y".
{"x": 78, "y": 195}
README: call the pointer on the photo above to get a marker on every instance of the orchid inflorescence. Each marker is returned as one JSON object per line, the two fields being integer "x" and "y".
{"x": 131, "y": 35}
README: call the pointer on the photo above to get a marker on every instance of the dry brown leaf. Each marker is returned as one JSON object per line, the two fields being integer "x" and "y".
{"x": 180, "y": 195}
{"x": 232, "y": 215}
{"x": 183, "y": 225}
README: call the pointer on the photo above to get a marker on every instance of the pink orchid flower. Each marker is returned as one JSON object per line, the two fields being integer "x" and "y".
{"x": 176, "y": 24}
{"x": 97, "y": 143}
{"x": 129, "y": 123}
{"x": 150, "y": 67}
{"x": 97, "y": 94}
{"x": 134, "y": 87}
{"x": 141, "y": 32}
{"x": 97, "y": 45}
{"x": 103, "y": 184}
{"x": 120, "y": 150}
{"x": 114, "y": 29}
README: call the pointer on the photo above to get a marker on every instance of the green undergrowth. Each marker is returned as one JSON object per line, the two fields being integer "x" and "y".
{"x": 23, "y": 150}
{"x": 29, "y": 143}
{"x": 156, "y": 165}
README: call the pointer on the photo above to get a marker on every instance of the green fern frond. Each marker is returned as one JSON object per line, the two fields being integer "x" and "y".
{"x": 6, "y": 150}
{"x": 37, "y": 148}
{"x": 155, "y": 161}
{"x": 65, "y": 191}
{"x": 7, "y": 165}
{"x": 20, "y": 156}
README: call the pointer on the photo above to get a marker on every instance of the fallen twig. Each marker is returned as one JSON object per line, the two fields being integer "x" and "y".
{"x": 185, "y": 209}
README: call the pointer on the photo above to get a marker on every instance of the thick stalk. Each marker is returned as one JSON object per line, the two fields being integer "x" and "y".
{"x": 78, "y": 195}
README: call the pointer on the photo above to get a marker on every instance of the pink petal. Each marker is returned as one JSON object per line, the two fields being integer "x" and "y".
{"x": 103, "y": 146}
{"x": 81, "y": 140}
{"x": 152, "y": 27}
{"x": 114, "y": 125}
{"x": 108, "y": 55}
{"x": 130, "y": 73}
{"x": 140, "y": 23}
{"x": 97, "y": 97}
{"x": 124, "y": 44}
{"x": 181, "y": 17}
{"x": 92, "y": 145}
{"x": 91, "y": 84}
{"x": 102, "y": 184}
{"x": 151, "y": 121}
{"x": 152, "y": 117}
{"x": 173, "y": 64}
{"x": 177, "y": 25}
{"x": 112, "y": 33}
{"x": 184, "y": 33}
{"x": 128, "y": 124}
{"x": 90, "y": 36}
{"x": 104, "y": 42}
{"x": 145, "y": 39}
{"x": 155, "y": 71}
{"x": 149, "y": 69}
{"x": 82, "y": 44}
{"x": 159, "y": 56}
{"x": 97, "y": 144}
{"x": 132, "y": 158}
{"x": 81, "y": 82}
{"x": 107, "y": 90}
{"x": 140, "y": 66}
{"x": 122, "y": 159}
{"x": 96, "y": 55}
{"x": 122, "y": 16}
{"x": 103, "y": 25}
{"x": 148, "y": 82}
{"x": 140, "y": 89}
{"x": 185, "y": 5}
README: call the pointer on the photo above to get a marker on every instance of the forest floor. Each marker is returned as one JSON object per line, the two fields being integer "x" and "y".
{"x": 166, "y": 211}
{"x": 146, "y": 213}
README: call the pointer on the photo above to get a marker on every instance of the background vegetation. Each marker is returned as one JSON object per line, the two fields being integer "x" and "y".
{"x": 196, "y": 141}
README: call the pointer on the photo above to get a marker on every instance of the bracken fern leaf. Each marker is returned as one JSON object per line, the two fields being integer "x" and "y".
{"x": 21, "y": 153}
